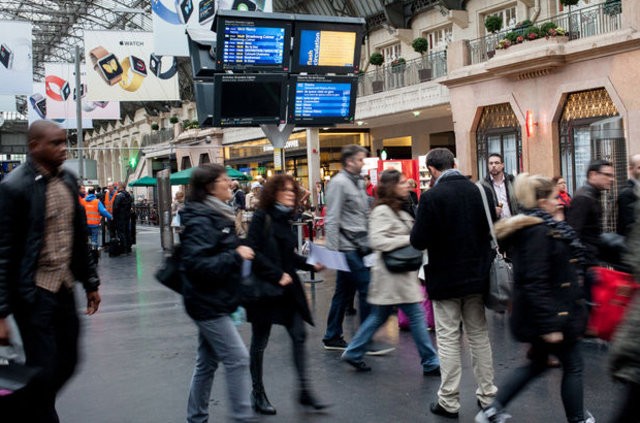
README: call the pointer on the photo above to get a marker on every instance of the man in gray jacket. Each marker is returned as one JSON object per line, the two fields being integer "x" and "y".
{"x": 346, "y": 226}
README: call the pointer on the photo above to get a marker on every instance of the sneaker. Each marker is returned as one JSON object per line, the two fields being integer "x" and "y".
{"x": 588, "y": 418}
{"x": 379, "y": 349}
{"x": 359, "y": 365}
{"x": 334, "y": 344}
{"x": 492, "y": 415}
{"x": 433, "y": 372}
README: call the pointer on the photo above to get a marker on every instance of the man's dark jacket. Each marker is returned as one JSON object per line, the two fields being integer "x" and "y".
{"x": 452, "y": 225}
{"x": 210, "y": 264}
{"x": 511, "y": 193}
{"x": 585, "y": 216}
{"x": 22, "y": 227}
{"x": 626, "y": 208}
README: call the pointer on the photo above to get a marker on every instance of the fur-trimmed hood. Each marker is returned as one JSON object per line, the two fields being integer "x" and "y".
{"x": 506, "y": 227}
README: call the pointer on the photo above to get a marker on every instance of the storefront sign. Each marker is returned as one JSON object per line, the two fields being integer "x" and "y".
{"x": 277, "y": 159}
{"x": 289, "y": 145}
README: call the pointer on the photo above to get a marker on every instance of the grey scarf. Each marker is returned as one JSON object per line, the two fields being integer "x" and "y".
{"x": 220, "y": 207}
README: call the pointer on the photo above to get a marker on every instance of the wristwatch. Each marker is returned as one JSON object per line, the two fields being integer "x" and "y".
{"x": 63, "y": 89}
{"x": 39, "y": 104}
{"x": 106, "y": 64}
{"x": 165, "y": 13}
{"x": 83, "y": 91}
{"x": 184, "y": 9}
{"x": 6, "y": 56}
{"x": 155, "y": 64}
{"x": 90, "y": 106}
{"x": 206, "y": 11}
{"x": 134, "y": 70}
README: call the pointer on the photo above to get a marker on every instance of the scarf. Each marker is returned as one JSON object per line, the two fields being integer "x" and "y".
{"x": 446, "y": 174}
{"x": 564, "y": 232}
{"x": 220, "y": 207}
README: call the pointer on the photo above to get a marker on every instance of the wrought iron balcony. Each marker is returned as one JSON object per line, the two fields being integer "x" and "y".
{"x": 586, "y": 22}
{"x": 157, "y": 137}
{"x": 411, "y": 72}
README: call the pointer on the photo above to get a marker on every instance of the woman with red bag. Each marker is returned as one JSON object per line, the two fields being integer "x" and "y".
{"x": 549, "y": 310}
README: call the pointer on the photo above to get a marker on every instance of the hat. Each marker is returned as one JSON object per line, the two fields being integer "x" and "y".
{"x": 255, "y": 185}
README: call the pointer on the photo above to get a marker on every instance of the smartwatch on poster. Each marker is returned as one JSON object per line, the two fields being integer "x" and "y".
{"x": 178, "y": 16}
{"x": 62, "y": 91}
{"x": 90, "y": 106}
{"x": 184, "y": 9}
{"x": 39, "y": 104}
{"x": 155, "y": 64}
{"x": 206, "y": 11}
{"x": 83, "y": 91}
{"x": 6, "y": 56}
{"x": 106, "y": 64}
{"x": 134, "y": 71}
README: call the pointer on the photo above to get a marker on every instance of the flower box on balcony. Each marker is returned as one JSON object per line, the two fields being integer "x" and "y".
{"x": 537, "y": 43}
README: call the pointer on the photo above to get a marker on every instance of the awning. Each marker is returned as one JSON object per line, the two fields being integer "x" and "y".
{"x": 145, "y": 181}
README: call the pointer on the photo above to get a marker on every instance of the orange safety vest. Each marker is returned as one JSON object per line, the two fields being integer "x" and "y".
{"x": 108, "y": 201}
{"x": 93, "y": 213}
{"x": 82, "y": 202}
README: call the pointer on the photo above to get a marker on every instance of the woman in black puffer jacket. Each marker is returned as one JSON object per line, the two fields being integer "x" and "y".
{"x": 276, "y": 262}
{"x": 549, "y": 309}
{"x": 210, "y": 265}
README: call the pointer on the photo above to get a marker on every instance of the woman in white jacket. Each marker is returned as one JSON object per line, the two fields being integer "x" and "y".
{"x": 389, "y": 229}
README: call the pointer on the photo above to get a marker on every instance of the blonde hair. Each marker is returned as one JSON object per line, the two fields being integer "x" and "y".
{"x": 531, "y": 188}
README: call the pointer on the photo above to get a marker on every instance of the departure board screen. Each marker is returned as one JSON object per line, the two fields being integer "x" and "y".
{"x": 326, "y": 48}
{"x": 322, "y": 100}
{"x": 253, "y": 45}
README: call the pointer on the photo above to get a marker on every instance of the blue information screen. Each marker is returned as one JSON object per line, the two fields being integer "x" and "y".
{"x": 322, "y": 100}
{"x": 247, "y": 45}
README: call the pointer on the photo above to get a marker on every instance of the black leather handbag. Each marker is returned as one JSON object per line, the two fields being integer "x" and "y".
{"x": 403, "y": 259}
{"x": 169, "y": 273}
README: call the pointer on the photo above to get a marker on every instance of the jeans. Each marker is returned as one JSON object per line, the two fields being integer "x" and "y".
{"x": 379, "y": 315}
{"x": 93, "y": 234}
{"x": 449, "y": 314}
{"x": 219, "y": 341}
{"x": 357, "y": 279}
{"x": 49, "y": 328}
{"x": 260, "y": 338}
{"x": 571, "y": 389}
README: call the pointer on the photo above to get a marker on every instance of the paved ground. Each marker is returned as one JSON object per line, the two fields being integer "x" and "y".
{"x": 139, "y": 350}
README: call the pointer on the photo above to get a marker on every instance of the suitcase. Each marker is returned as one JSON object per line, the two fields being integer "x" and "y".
{"x": 611, "y": 294}
{"x": 115, "y": 247}
{"x": 403, "y": 320}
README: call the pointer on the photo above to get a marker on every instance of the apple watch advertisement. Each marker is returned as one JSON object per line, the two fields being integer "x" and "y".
{"x": 172, "y": 17}
{"x": 61, "y": 93}
{"x": 38, "y": 107}
{"x": 16, "y": 64}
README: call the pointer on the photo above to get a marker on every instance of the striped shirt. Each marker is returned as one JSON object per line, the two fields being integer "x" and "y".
{"x": 54, "y": 262}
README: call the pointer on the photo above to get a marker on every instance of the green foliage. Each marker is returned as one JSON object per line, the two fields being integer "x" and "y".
{"x": 524, "y": 24}
{"x": 569, "y": 2}
{"x": 493, "y": 23}
{"x": 155, "y": 126}
{"x": 512, "y": 37}
{"x": 174, "y": 120}
{"x": 376, "y": 59}
{"x": 190, "y": 124}
{"x": 420, "y": 45}
{"x": 545, "y": 27}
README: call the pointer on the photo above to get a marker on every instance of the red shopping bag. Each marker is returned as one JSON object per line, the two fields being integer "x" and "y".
{"x": 611, "y": 294}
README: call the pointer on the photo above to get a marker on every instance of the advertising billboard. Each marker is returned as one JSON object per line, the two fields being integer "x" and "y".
{"x": 16, "y": 65}
{"x": 123, "y": 66}
{"x": 37, "y": 109}
{"x": 61, "y": 94}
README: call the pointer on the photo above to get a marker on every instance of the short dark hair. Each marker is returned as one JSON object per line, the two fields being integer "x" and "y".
{"x": 367, "y": 177}
{"x": 498, "y": 155}
{"x": 269, "y": 193}
{"x": 441, "y": 159}
{"x": 348, "y": 151}
{"x": 91, "y": 191}
{"x": 597, "y": 165}
{"x": 386, "y": 190}
{"x": 201, "y": 177}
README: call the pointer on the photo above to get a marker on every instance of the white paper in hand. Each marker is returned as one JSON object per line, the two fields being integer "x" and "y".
{"x": 246, "y": 268}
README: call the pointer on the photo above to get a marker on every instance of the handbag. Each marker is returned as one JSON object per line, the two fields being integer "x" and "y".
{"x": 403, "y": 259}
{"x": 612, "y": 293}
{"x": 14, "y": 374}
{"x": 252, "y": 287}
{"x": 498, "y": 297}
{"x": 169, "y": 272}
{"x": 360, "y": 240}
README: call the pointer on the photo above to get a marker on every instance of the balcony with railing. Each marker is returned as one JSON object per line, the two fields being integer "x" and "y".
{"x": 586, "y": 22}
{"x": 411, "y": 72}
{"x": 157, "y": 137}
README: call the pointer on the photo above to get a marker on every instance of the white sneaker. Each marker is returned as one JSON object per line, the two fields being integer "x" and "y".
{"x": 589, "y": 417}
{"x": 492, "y": 415}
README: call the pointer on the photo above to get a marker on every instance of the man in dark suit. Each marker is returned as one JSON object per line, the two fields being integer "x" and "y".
{"x": 628, "y": 197}
{"x": 452, "y": 226}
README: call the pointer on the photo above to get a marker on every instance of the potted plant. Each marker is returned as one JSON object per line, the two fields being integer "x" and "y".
{"x": 493, "y": 23}
{"x": 377, "y": 59}
{"x": 569, "y": 2}
{"x": 421, "y": 45}
{"x": 174, "y": 119}
{"x": 155, "y": 126}
{"x": 398, "y": 65}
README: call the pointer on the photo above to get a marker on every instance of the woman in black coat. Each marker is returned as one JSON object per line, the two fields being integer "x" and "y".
{"x": 276, "y": 262}
{"x": 549, "y": 309}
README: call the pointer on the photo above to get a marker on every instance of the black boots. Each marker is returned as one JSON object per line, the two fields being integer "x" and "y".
{"x": 308, "y": 400}
{"x": 261, "y": 403}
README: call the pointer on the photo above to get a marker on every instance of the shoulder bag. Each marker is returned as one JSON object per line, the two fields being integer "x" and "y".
{"x": 169, "y": 273}
{"x": 403, "y": 259}
{"x": 498, "y": 297}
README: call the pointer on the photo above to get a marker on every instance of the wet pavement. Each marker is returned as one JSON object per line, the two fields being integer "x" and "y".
{"x": 139, "y": 350}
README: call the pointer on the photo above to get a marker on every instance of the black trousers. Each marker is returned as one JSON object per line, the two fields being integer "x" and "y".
{"x": 571, "y": 390}
{"x": 49, "y": 328}
{"x": 259, "y": 340}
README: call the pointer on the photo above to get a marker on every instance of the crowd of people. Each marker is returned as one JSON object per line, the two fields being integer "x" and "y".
{"x": 552, "y": 240}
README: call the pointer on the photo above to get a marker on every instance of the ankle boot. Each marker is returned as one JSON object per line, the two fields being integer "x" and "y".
{"x": 261, "y": 403}
{"x": 307, "y": 399}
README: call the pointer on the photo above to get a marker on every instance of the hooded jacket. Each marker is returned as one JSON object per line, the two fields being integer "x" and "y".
{"x": 547, "y": 296}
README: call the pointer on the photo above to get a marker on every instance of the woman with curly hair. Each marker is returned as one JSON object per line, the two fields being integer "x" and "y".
{"x": 276, "y": 262}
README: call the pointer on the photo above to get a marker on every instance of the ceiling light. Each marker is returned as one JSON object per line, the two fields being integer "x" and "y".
{"x": 360, "y": 123}
{"x": 416, "y": 113}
